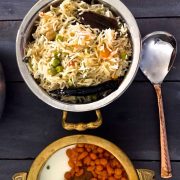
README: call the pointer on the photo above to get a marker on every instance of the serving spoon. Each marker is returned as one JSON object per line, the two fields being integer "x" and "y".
{"x": 158, "y": 55}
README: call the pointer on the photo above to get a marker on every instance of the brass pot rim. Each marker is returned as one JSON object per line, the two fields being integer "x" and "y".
{"x": 42, "y": 158}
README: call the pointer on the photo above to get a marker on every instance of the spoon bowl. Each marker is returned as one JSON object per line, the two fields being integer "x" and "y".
{"x": 158, "y": 55}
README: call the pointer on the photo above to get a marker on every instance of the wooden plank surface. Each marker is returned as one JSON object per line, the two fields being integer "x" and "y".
{"x": 9, "y": 167}
{"x": 155, "y": 166}
{"x": 29, "y": 125}
{"x": 9, "y": 30}
{"x": 7, "y": 49}
{"x": 153, "y": 8}
{"x": 16, "y": 9}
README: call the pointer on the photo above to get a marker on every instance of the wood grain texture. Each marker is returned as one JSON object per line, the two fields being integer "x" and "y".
{"x": 29, "y": 125}
{"x": 16, "y": 9}
{"x": 9, "y": 167}
{"x": 9, "y": 30}
{"x": 153, "y": 8}
{"x": 155, "y": 166}
{"x": 7, "y": 49}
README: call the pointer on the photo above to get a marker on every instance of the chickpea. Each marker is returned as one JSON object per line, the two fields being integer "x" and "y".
{"x": 109, "y": 170}
{"x": 103, "y": 162}
{"x": 100, "y": 150}
{"x": 111, "y": 178}
{"x": 76, "y": 169}
{"x": 106, "y": 154}
{"x": 50, "y": 35}
{"x": 86, "y": 146}
{"x": 88, "y": 149}
{"x": 91, "y": 168}
{"x": 79, "y": 163}
{"x": 99, "y": 162}
{"x": 80, "y": 145}
{"x": 92, "y": 163}
{"x": 69, "y": 152}
{"x": 100, "y": 156}
{"x": 99, "y": 176}
{"x": 123, "y": 178}
{"x": 71, "y": 163}
{"x": 93, "y": 156}
{"x": 80, "y": 172}
{"x": 82, "y": 155}
{"x": 80, "y": 149}
{"x": 117, "y": 177}
{"x": 87, "y": 160}
{"x": 118, "y": 172}
{"x": 67, "y": 175}
{"x": 112, "y": 157}
{"x": 99, "y": 168}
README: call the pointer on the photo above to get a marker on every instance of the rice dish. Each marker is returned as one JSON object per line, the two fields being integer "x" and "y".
{"x": 67, "y": 53}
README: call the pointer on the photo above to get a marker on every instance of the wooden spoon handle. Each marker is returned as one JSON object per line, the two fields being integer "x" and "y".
{"x": 165, "y": 160}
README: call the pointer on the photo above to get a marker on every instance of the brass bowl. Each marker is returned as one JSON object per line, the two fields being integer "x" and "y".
{"x": 40, "y": 162}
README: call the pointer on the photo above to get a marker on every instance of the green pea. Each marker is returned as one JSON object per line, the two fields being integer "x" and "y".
{"x": 52, "y": 71}
{"x": 59, "y": 38}
{"x": 94, "y": 97}
{"x": 70, "y": 83}
{"x": 65, "y": 53}
{"x": 123, "y": 55}
{"x": 30, "y": 65}
{"x": 56, "y": 54}
{"x": 99, "y": 11}
{"x": 55, "y": 62}
{"x": 59, "y": 69}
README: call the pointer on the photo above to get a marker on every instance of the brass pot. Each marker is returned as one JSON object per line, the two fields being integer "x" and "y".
{"x": 40, "y": 164}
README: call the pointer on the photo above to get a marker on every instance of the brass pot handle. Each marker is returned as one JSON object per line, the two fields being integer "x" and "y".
{"x": 145, "y": 174}
{"x": 20, "y": 176}
{"x": 81, "y": 126}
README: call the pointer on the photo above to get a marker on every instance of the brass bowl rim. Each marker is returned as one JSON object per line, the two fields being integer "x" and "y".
{"x": 42, "y": 158}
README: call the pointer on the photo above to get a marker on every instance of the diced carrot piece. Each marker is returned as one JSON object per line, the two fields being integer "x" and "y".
{"x": 105, "y": 53}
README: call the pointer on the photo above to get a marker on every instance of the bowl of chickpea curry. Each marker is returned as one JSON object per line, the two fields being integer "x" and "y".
{"x": 83, "y": 157}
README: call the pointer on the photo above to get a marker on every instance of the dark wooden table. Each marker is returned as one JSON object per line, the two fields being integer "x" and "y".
{"x": 29, "y": 125}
